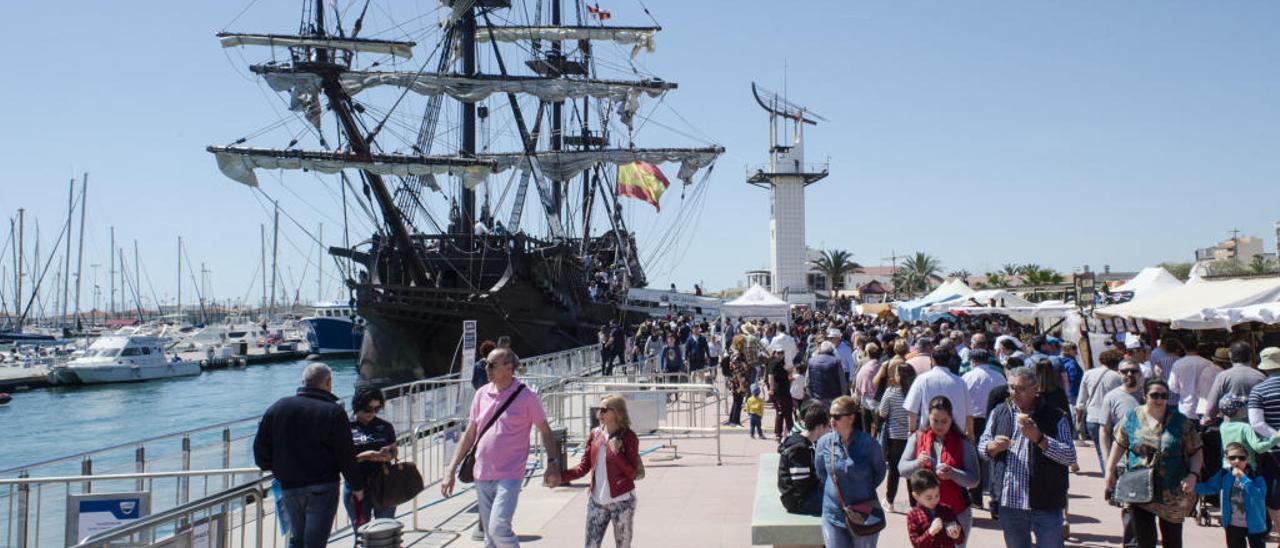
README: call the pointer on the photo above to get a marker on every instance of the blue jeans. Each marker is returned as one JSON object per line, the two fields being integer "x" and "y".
{"x": 1095, "y": 433}
{"x": 497, "y": 505}
{"x": 366, "y": 508}
{"x": 1018, "y": 525}
{"x": 839, "y": 537}
{"x": 311, "y": 510}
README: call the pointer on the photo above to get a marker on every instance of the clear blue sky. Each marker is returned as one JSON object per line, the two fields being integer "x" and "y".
{"x": 1060, "y": 133}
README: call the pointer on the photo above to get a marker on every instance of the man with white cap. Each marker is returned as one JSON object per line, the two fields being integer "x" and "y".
{"x": 844, "y": 351}
{"x": 1264, "y": 417}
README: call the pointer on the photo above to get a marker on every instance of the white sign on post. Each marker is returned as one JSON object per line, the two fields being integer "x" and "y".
{"x": 468, "y": 346}
{"x": 89, "y": 515}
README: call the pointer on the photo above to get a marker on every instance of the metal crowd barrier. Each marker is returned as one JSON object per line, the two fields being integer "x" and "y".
{"x": 430, "y": 416}
{"x": 178, "y": 466}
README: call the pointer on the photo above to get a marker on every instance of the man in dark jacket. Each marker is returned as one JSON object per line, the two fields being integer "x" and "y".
{"x": 696, "y": 350}
{"x": 305, "y": 440}
{"x": 826, "y": 375}
{"x": 797, "y": 480}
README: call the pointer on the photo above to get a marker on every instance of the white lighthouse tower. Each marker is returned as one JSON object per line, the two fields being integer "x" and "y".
{"x": 785, "y": 177}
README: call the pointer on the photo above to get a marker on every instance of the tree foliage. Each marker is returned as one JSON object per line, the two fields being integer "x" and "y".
{"x": 1181, "y": 271}
{"x": 916, "y": 273}
{"x": 834, "y": 264}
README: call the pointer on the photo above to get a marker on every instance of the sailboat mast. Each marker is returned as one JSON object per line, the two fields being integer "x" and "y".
{"x": 66, "y": 263}
{"x": 84, "y": 197}
{"x": 179, "y": 310}
{"x": 467, "y": 26}
{"x": 557, "y": 113}
{"x": 262, "y": 260}
{"x": 320, "y": 264}
{"x": 137, "y": 278}
{"x": 360, "y": 147}
{"x": 22, "y": 218}
{"x": 275, "y": 254}
{"x": 111, "y": 307}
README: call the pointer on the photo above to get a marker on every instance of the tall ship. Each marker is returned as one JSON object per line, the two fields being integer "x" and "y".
{"x": 444, "y": 153}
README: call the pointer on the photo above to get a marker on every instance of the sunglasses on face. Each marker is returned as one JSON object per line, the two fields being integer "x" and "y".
{"x": 1237, "y": 458}
{"x": 1128, "y": 371}
{"x": 838, "y": 416}
{"x": 604, "y": 410}
{"x": 1017, "y": 388}
{"x": 1158, "y": 396}
{"x": 373, "y": 409}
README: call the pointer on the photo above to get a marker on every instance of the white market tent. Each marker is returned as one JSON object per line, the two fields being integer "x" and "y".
{"x": 758, "y": 302}
{"x": 1152, "y": 281}
{"x": 949, "y": 290}
{"x": 1201, "y": 304}
{"x": 1226, "y": 318}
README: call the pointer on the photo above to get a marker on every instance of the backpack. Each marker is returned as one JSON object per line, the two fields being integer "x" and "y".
{"x": 796, "y": 476}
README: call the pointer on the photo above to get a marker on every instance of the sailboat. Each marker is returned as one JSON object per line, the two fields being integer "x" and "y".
{"x": 416, "y": 281}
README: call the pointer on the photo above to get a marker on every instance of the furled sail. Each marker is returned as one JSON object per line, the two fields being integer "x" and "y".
{"x": 637, "y": 37}
{"x": 562, "y": 166}
{"x": 389, "y": 47}
{"x": 238, "y": 163}
{"x": 304, "y": 87}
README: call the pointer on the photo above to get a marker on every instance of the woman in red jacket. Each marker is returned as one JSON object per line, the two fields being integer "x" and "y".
{"x": 613, "y": 454}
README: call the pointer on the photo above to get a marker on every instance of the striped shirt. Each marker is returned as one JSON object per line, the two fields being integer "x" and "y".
{"x": 1265, "y": 398}
{"x": 898, "y": 416}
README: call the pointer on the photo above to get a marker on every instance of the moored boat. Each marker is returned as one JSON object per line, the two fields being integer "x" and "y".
{"x": 122, "y": 359}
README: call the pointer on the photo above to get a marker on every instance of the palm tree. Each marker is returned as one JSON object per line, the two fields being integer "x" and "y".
{"x": 1038, "y": 275}
{"x": 963, "y": 274}
{"x": 917, "y": 272}
{"x": 835, "y": 264}
{"x": 1011, "y": 270}
{"x": 1259, "y": 265}
{"x": 994, "y": 280}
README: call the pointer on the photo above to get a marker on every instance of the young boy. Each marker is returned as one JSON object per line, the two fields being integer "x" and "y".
{"x": 1243, "y": 492}
{"x": 755, "y": 410}
{"x": 931, "y": 524}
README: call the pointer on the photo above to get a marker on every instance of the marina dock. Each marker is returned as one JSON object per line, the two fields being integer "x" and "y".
{"x": 23, "y": 378}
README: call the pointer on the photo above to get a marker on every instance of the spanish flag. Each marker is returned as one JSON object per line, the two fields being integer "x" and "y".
{"x": 643, "y": 181}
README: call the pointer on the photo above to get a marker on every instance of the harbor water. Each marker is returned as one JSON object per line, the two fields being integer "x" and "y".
{"x": 48, "y": 423}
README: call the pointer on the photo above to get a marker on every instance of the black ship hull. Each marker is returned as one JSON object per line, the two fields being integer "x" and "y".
{"x": 535, "y": 293}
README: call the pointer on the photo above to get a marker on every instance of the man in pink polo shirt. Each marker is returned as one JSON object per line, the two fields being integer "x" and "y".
{"x": 503, "y": 450}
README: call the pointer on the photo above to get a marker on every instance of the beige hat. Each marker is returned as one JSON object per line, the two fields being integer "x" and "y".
{"x": 1269, "y": 359}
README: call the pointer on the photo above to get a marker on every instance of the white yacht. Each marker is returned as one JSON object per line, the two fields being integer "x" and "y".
{"x": 121, "y": 358}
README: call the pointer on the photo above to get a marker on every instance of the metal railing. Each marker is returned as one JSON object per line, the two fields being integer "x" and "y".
{"x": 34, "y": 497}
{"x": 430, "y": 416}
{"x": 31, "y": 525}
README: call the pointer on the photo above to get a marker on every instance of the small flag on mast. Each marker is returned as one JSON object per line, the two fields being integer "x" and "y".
{"x": 642, "y": 181}
{"x": 597, "y": 13}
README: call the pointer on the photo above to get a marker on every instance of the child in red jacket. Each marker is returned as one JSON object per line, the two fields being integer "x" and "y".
{"x": 931, "y": 524}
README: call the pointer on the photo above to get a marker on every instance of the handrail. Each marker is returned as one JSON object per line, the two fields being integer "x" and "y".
{"x": 143, "y": 524}
{"x": 131, "y": 443}
{"x": 138, "y": 475}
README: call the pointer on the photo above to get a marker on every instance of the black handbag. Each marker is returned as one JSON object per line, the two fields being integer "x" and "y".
{"x": 466, "y": 472}
{"x": 394, "y": 484}
{"x": 862, "y": 519}
{"x": 1139, "y": 485}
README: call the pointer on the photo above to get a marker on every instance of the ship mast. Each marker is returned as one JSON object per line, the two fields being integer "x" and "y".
{"x": 338, "y": 103}
{"x": 467, "y": 42}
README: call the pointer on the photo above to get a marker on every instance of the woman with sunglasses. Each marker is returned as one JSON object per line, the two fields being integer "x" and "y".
{"x": 859, "y": 466}
{"x": 375, "y": 443}
{"x": 944, "y": 449}
{"x": 1243, "y": 492}
{"x": 1157, "y": 435}
{"x": 612, "y": 457}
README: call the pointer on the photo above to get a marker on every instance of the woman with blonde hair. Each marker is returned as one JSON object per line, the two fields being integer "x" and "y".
{"x": 850, "y": 465}
{"x": 612, "y": 456}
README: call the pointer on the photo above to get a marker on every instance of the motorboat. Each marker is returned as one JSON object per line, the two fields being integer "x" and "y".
{"x": 334, "y": 329}
{"x": 121, "y": 358}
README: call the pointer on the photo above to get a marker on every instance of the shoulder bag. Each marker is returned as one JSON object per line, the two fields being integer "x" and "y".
{"x": 466, "y": 473}
{"x": 1139, "y": 485}
{"x": 862, "y": 519}
{"x": 394, "y": 484}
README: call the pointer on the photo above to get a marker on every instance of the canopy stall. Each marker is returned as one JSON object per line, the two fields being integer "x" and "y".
{"x": 1226, "y": 318}
{"x": 758, "y": 302}
{"x": 952, "y": 289}
{"x": 1201, "y": 304}
{"x": 997, "y": 298}
{"x": 1152, "y": 281}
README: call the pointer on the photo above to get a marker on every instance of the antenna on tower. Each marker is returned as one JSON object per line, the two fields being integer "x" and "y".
{"x": 776, "y": 105}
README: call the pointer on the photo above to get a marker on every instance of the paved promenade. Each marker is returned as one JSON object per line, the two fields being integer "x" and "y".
{"x": 691, "y": 502}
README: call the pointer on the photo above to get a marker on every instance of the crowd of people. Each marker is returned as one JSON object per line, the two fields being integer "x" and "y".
{"x": 982, "y": 415}
{"x": 973, "y": 416}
